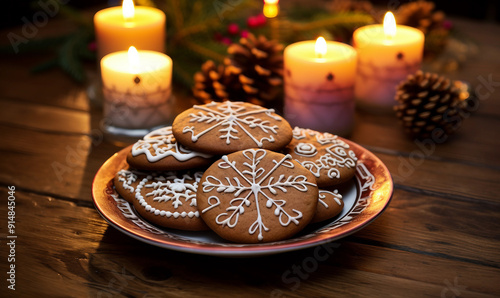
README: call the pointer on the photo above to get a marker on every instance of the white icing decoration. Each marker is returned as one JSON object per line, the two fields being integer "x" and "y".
{"x": 336, "y": 197}
{"x": 306, "y": 149}
{"x": 338, "y": 154}
{"x": 217, "y": 203}
{"x": 250, "y": 183}
{"x": 128, "y": 177}
{"x": 161, "y": 143}
{"x": 170, "y": 188}
{"x": 230, "y": 116}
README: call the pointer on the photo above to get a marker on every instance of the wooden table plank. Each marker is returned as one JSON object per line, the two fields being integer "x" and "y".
{"x": 53, "y": 87}
{"x": 463, "y": 230}
{"x": 443, "y": 178}
{"x": 44, "y": 118}
{"x": 75, "y": 253}
{"x": 62, "y": 165}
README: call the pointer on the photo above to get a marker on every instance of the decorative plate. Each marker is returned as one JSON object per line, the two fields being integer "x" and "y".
{"x": 365, "y": 197}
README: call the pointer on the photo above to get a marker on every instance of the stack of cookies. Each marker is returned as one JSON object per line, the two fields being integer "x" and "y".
{"x": 238, "y": 169}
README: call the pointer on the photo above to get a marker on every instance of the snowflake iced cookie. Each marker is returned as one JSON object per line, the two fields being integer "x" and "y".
{"x": 126, "y": 181}
{"x": 327, "y": 156}
{"x": 159, "y": 151}
{"x": 169, "y": 200}
{"x": 226, "y": 127}
{"x": 257, "y": 195}
{"x": 330, "y": 204}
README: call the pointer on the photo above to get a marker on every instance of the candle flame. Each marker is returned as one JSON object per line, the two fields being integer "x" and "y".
{"x": 389, "y": 24}
{"x": 133, "y": 60}
{"x": 128, "y": 9}
{"x": 271, "y": 8}
{"x": 320, "y": 47}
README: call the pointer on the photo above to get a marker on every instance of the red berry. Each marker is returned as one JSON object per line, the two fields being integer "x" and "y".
{"x": 261, "y": 20}
{"x": 92, "y": 46}
{"x": 447, "y": 24}
{"x": 244, "y": 33}
{"x": 252, "y": 22}
{"x": 226, "y": 41}
{"x": 233, "y": 29}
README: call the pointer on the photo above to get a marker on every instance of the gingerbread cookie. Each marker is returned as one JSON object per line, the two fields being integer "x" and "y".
{"x": 159, "y": 151}
{"x": 169, "y": 200}
{"x": 226, "y": 127}
{"x": 257, "y": 195}
{"x": 126, "y": 181}
{"x": 330, "y": 204}
{"x": 327, "y": 156}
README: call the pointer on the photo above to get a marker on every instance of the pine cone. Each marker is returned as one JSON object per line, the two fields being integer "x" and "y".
{"x": 428, "y": 101}
{"x": 211, "y": 84}
{"x": 421, "y": 15}
{"x": 257, "y": 63}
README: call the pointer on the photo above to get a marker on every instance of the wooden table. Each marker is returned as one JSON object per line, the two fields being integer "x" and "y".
{"x": 439, "y": 237}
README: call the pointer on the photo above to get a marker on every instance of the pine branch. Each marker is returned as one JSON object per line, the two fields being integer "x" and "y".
{"x": 196, "y": 13}
{"x": 332, "y": 21}
{"x": 68, "y": 59}
{"x": 197, "y": 28}
{"x": 76, "y": 16}
{"x": 204, "y": 51}
{"x": 44, "y": 66}
{"x": 176, "y": 13}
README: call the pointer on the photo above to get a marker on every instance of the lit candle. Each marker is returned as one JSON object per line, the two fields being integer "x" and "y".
{"x": 386, "y": 55}
{"x": 117, "y": 28}
{"x": 271, "y": 8}
{"x": 270, "y": 11}
{"x": 319, "y": 85}
{"x": 137, "y": 87}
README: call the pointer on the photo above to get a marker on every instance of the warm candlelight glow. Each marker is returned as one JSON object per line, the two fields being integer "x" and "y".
{"x": 271, "y": 8}
{"x": 137, "y": 87}
{"x": 319, "y": 85}
{"x": 389, "y": 24}
{"x": 320, "y": 47}
{"x": 387, "y": 54}
{"x": 133, "y": 60}
{"x": 128, "y": 10}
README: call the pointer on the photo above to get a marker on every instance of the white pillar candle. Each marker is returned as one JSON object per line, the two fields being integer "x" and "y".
{"x": 117, "y": 28}
{"x": 386, "y": 55}
{"x": 137, "y": 87}
{"x": 319, "y": 85}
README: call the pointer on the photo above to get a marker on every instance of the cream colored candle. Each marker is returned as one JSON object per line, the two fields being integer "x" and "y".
{"x": 137, "y": 87}
{"x": 386, "y": 55}
{"x": 319, "y": 85}
{"x": 118, "y": 28}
